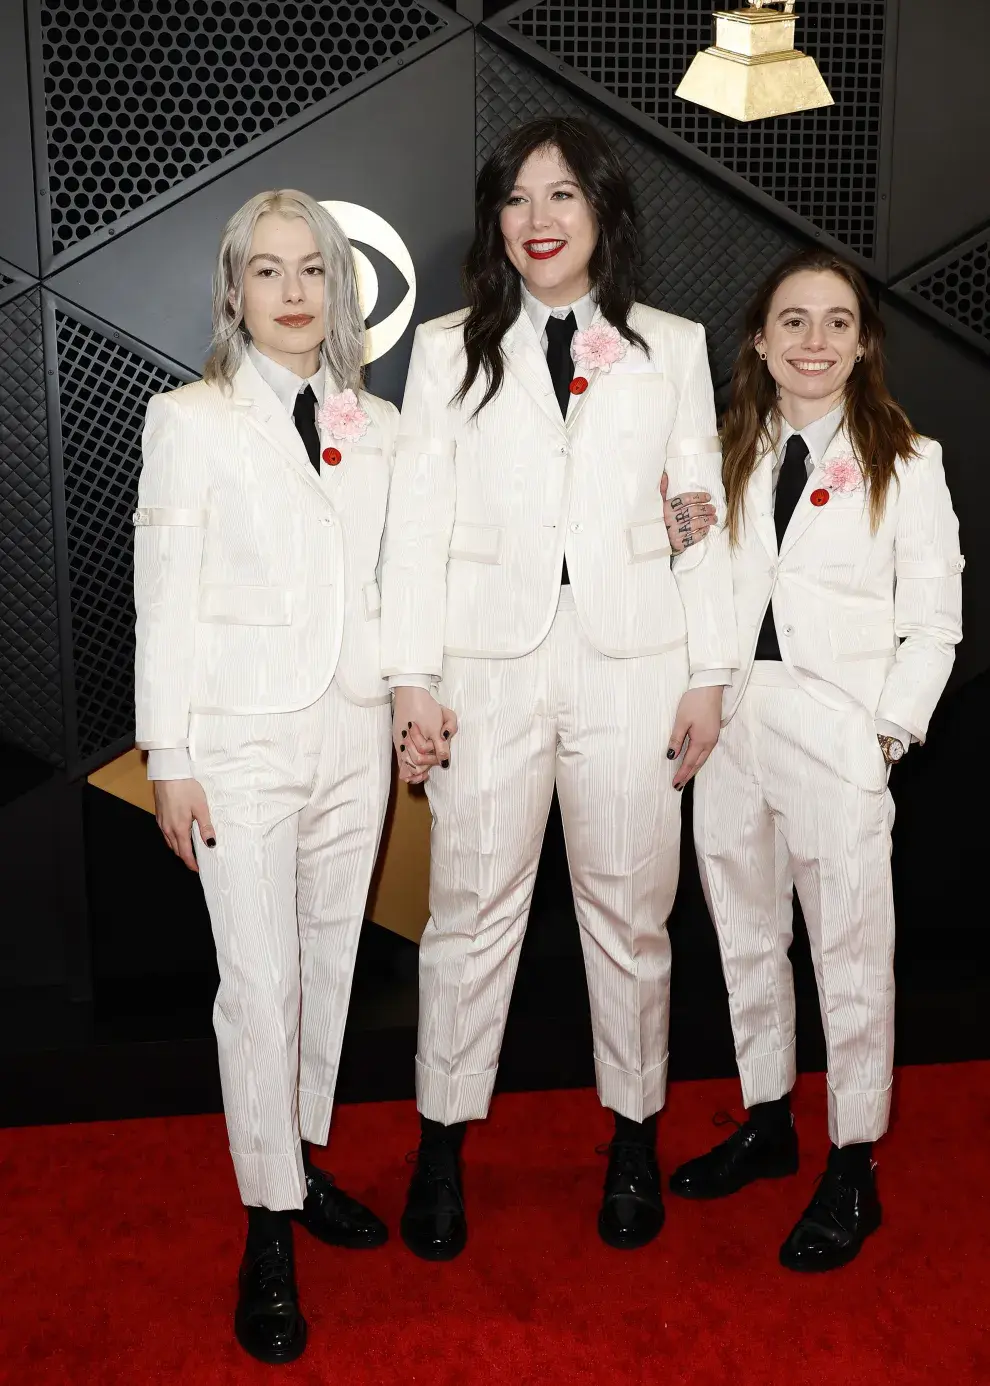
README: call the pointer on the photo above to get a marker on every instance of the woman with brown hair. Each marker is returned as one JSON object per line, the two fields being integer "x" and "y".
{"x": 846, "y": 579}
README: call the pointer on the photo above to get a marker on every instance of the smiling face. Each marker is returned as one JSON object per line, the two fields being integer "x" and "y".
{"x": 283, "y": 293}
{"x": 811, "y": 338}
{"x": 549, "y": 229}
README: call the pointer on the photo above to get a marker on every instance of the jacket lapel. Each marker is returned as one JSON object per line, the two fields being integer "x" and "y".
{"x": 804, "y": 512}
{"x": 264, "y": 412}
{"x": 525, "y": 359}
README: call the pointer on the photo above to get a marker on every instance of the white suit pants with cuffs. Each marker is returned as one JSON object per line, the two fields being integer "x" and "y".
{"x": 297, "y": 800}
{"x": 600, "y": 727}
{"x": 795, "y": 796}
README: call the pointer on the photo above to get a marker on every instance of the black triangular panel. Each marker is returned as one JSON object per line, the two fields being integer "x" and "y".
{"x": 18, "y": 225}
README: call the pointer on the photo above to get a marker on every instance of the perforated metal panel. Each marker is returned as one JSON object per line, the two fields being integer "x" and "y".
{"x": 703, "y": 250}
{"x": 104, "y": 393}
{"x": 30, "y": 688}
{"x": 141, "y": 94}
{"x": 959, "y": 288}
{"x": 824, "y": 165}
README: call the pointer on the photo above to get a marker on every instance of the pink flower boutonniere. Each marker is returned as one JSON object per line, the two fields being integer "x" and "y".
{"x": 843, "y": 475}
{"x": 598, "y": 347}
{"x": 343, "y": 417}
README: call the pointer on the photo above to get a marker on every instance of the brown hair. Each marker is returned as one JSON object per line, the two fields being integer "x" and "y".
{"x": 878, "y": 428}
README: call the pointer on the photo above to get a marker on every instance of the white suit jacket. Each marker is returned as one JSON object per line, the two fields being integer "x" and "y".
{"x": 255, "y": 580}
{"x": 482, "y": 511}
{"x": 861, "y": 618}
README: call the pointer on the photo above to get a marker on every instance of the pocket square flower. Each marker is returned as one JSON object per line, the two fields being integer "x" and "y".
{"x": 598, "y": 347}
{"x": 843, "y": 475}
{"x": 342, "y": 417}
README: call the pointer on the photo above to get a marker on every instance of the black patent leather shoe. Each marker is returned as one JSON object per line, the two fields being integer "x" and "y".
{"x": 433, "y": 1224}
{"x": 267, "y": 1322}
{"x": 335, "y": 1217}
{"x": 747, "y": 1155}
{"x": 632, "y": 1206}
{"x": 835, "y": 1224}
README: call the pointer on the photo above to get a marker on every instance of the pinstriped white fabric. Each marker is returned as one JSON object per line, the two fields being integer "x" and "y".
{"x": 601, "y": 726}
{"x": 796, "y": 793}
{"x": 297, "y": 800}
{"x": 863, "y": 619}
{"x": 482, "y": 511}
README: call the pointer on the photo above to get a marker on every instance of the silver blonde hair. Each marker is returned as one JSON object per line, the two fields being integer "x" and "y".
{"x": 343, "y": 343}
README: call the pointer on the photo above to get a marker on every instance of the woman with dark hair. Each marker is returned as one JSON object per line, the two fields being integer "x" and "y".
{"x": 846, "y": 572}
{"x": 527, "y": 585}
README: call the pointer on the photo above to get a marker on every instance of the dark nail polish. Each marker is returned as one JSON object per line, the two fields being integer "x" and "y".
{"x": 402, "y": 747}
{"x": 211, "y": 842}
{"x": 678, "y": 787}
{"x": 445, "y": 735}
{"x": 445, "y": 763}
{"x": 671, "y": 753}
{"x": 408, "y": 726}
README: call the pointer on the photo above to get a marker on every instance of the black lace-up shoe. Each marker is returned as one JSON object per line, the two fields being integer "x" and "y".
{"x": 632, "y": 1207}
{"x": 747, "y": 1155}
{"x": 433, "y": 1224}
{"x": 267, "y": 1321}
{"x": 835, "y": 1224}
{"x": 335, "y": 1217}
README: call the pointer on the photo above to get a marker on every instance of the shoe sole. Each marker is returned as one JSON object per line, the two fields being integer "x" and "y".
{"x": 275, "y": 1359}
{"x": 812, "y": 1268}
{"x": 782, "y": 1172}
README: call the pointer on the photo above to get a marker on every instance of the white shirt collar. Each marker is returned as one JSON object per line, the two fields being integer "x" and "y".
{"x": 584, "y": 311}
{"x": 285, "y": 383}
{"x": 817, "y": 435}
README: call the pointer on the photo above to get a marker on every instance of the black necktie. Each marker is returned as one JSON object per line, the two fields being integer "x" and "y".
{"x": 790, "y": 487}
{"x": 304, "y": 418}
{"x": 560, "y": 333}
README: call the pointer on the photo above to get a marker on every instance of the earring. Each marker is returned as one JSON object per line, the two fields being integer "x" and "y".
{"x": 762, "y": 355}
{"x": 859, "y": 355}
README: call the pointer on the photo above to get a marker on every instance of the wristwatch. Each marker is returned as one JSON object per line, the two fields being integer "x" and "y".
{"x": 893, "y": 750}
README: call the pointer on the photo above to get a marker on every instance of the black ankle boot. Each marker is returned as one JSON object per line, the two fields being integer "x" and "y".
{"x": 756, "y": 1150}
{"x": 632, "y": 1212}
{"x": 434, "y": 1225}
{"x": 267, "y": 1322}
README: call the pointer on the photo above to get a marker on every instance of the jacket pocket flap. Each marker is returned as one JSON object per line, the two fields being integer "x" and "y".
{"x": 647, "y": 539}
{"x": 476, "y": 543}
{"x": 231, "y": 605}
{"x": 865, "y": 637}
{"x": 372, "y": 601}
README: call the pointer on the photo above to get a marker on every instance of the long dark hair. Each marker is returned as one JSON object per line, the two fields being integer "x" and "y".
{"x": 492, "y": 284}
{"x": 878, "y": 427}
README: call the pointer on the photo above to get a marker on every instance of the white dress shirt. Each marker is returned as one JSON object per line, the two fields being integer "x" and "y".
{"x": 818, "y": 436}
{"x": 172, "y": 763}
{"x": 584, "y": 313}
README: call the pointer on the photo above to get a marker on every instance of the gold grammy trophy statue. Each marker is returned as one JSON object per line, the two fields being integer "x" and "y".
{"x": 754, "y": 71}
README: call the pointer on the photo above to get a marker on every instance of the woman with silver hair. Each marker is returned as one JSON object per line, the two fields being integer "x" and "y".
{"x": 261, "y": 705}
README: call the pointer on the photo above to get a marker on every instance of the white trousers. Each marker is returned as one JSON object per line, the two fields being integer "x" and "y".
{"x": 600, "y": 727}
{"x": 795, "y": 796}
{"x": 297, "y": 800}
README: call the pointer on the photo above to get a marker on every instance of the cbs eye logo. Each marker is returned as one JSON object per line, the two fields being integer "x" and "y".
{"x": 363, "y": 225}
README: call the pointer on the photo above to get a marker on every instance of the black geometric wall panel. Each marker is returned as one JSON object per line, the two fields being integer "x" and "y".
{"x": 823, "y": 165}
{"x": 702, "y": 249}
{"x": 18, "y": 225}
{"x": 143, "y": 94}
{"x": 104, "y": 390}
{"x": 13, "y": 281}
{"x": 30, "y": 670}
{"x": 956, "y": 288}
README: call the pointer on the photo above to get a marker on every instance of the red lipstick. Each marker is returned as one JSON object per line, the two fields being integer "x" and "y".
{"x": 295, "y": 319}
{"x": 534, "y": 254}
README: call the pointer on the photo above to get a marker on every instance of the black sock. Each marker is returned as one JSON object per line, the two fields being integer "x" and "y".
{"x": 854, "y": 1160}
{"x": 264, "y": 1226}
{"x": 435, "y": 1133}
{"x": 636, "y": 1132}
{"x": 772, "y": 1118}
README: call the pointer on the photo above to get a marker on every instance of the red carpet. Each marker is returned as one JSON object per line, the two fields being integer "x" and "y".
{"x": 120, "y": 1246}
